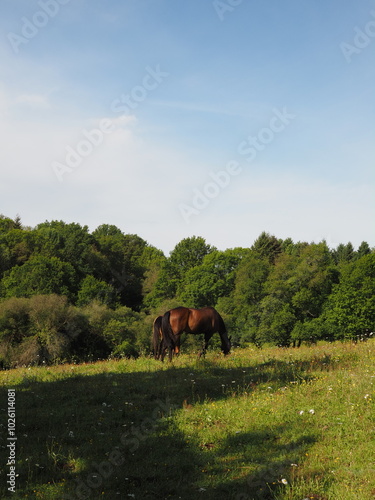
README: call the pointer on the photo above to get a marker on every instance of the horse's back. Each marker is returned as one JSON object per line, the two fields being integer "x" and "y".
{"x": 206, "y": 319}
{"x": 190, "y": 320}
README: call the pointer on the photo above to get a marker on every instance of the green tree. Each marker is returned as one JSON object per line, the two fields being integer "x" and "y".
{"x": 16, "y": 245}
{"x": 186, "y": 255}
{"x": 350, "y": 309}
{"x": 40, "y": 275}
{"x": 71, "y": 243}
{"x": 251, "y": 276}
{"x": 152, "y": 260}
{"x": 267, "y": 246}
{"x": 312, "y": 281}
{"x": 343, "y": 253}
{"x": 203, "y": 285}
{"x": 121, "y": 263}
{"x": 93, "y": 289}
{"x": 363, "y": 249}
{"x": 7, "y": 224}
{"x": 277, "y": 322}
{"x": 296, "y": 290}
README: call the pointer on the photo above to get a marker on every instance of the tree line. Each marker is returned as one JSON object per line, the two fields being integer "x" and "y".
{"x": 70, "y": 295}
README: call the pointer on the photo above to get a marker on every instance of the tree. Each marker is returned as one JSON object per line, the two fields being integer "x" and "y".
{"x": 16, "y": 247}
{"x": 186, "y": 255}
{"x": 277, "y": 322}
{"x": 267, "y": 246}
{"x": 40, "y": 275}
{"x": 93, "y": 289}
{"x": 251, "y": 276}
{"x": 71, "y": 243}
{"x": 363, "y": 249}
{"x": 296, "y": 290}
{"x": 6, "y": 223}
{"x": 343, "y": 253}
{"x": 203, "y": 285}
{"x": 312, "y": 281}
{"x": 350, "y": 309}
{"x": 121, "y": 263}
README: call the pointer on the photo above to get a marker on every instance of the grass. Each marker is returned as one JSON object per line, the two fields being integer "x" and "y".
{"x": 285, "y": 424}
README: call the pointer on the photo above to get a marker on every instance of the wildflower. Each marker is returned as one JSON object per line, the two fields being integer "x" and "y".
{"x": 284, "y": 481}
{"x": 71, "y": 434}
{"x": 312, "y": 411}
{"x": 367, "y": 396}
{"x": 301, "y": 412}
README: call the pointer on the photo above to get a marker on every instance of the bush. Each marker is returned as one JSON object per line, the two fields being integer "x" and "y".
{"x": 38, "y": 330}
{"x": 126, "y": 350}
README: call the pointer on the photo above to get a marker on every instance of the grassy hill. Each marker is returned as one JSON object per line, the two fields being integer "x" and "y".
{"x": 286, "y": 424}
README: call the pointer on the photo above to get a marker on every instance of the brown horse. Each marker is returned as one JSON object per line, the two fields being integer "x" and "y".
{"x": 158, "y": 340}
{"x": 183, "y": 319}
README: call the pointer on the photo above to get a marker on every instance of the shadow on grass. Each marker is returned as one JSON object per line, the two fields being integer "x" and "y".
{"x": 112, "y": 435}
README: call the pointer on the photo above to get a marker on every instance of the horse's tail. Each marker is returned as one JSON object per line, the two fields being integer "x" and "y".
{"x": 167, "y": 329}
{"x": 156, "y": 340}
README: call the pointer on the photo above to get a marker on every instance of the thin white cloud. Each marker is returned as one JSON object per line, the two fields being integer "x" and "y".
{"x": 35, "y": 101}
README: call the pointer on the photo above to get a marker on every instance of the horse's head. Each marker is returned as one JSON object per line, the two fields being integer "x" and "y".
{"x": 226, "y": 345}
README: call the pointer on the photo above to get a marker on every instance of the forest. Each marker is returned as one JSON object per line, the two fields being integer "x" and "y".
{"x": 68, "y": 295}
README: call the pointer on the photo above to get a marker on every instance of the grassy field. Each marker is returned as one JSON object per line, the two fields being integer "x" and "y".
{"x": 286, "y": 424}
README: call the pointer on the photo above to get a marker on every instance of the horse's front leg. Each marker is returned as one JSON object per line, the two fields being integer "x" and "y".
{"x": 207, "y": 337}
{"x": 170, "y": 353}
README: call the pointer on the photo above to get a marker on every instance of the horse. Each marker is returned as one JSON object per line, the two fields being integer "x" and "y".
{"x": 158, "y": 340}
{"x": 184, "y": 319}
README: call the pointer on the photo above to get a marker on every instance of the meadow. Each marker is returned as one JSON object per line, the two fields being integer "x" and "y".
{"x": 271, "y": 423}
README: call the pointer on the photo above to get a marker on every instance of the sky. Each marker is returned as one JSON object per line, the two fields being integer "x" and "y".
{"x": 174, "y": 118}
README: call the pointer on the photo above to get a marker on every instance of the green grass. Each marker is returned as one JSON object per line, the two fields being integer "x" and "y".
{"x": 285, "y": 424}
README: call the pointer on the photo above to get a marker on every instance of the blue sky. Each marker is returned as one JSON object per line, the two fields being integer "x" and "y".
{"x": 137, "y": 113}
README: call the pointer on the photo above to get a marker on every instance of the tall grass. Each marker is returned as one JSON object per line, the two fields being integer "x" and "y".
{"x": 285, "y": 424}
